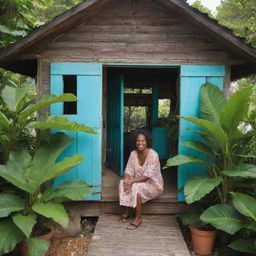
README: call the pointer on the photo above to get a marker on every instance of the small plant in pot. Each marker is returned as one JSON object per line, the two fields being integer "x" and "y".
{"x": 202, "y": 234}
{"x": 22, "y": 210}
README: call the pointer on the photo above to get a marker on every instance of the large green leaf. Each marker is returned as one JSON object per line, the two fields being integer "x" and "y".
{"x": 28, "y": 174}
{"x": 5, "y": 30}
{"x": 245, "y": 204}
{"x": 224, "y": 217}
{"x": 14, "y": 170}
{"x": 10, "y": 203}
{"x": 242, "y": 170}
{"x": 46, "y": 101}
{"x": 25, "y": 222}
{"x": 62, "y": 167}
{"x": 199, "y": 146}
{"x": 199, "y": 186}
{"x": 184, "y": 159}
{"x": 192, "y": 219}
{"x": 10, "y": 236}
{"x": 37, "y": 246}
{"x": 53, "y": 210}
{"x": 235, "y": 109}
{"x": 45, "y": 158}
{"x": 251, "y": 225}
{"x": 4, "y": 122}
{"x": 74, "y": 190}
{"x": 215, "y": 131}
{"x": 244, "y": 245}
{"x": 12, "y": 96}
{"x": 212, "y": 100}
{"x": 60, "y": 122}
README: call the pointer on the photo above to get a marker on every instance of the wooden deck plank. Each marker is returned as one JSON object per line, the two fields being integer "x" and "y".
{"x": 110, "y": 181}
{"x": 157, "y": 235}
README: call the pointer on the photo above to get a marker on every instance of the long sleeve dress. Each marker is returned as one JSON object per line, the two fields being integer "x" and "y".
{"x": 147, "y": 190}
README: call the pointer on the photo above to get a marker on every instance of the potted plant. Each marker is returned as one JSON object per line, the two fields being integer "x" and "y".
{"x": 202, "y": 234}
{"x": 225, "y": 152}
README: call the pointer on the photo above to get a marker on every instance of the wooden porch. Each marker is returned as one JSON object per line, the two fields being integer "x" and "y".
{"x": 109, "y": 204}
{"x": 157, "y": 235}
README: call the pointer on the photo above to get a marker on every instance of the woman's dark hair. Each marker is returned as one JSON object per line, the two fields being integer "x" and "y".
{"x": 134, "y": 136}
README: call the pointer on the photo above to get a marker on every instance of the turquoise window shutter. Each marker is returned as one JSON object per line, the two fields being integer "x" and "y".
{"x": 191, "y": 80}
{"x": 89, "y": 112}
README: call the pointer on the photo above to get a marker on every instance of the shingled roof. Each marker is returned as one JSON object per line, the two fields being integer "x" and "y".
{"x": 9, "y": 57}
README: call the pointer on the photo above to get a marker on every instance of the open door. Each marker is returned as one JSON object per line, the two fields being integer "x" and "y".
{"x": 86, "y": 78}
{"x": 191, "y": 80}
{"x": 115, "y": 125}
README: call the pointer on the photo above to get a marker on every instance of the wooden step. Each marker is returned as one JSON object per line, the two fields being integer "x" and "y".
{"x": 97, "y": 208}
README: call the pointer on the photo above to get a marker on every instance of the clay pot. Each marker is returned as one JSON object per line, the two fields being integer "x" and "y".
{"x": 202, "y": 241}
{"x": 23, "y": 246}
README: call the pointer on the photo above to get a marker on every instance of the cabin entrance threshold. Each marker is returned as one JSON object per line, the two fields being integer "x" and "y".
{"x": 138, "y": 97}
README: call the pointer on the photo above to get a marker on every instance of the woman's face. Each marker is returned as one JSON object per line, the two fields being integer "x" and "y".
{"x": 141, "y": 142}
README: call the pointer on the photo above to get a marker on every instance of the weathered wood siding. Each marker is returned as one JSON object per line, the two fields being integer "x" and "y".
{"x": 145, "y": 33}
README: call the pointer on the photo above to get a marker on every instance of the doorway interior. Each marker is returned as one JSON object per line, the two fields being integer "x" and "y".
{"x": 141, "y": 97}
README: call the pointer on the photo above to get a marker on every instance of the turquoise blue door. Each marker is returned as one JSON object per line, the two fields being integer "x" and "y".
{"x": 115, "y": 126}
{"x": 191, "y": 79}
{"x": 88, "y": 79}
{"x": 159, "y": 134}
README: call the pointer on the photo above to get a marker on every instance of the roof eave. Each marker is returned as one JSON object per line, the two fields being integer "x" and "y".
{"x": 59, "y": 24}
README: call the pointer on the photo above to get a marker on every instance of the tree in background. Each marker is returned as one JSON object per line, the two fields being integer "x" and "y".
{"x": 240, "y": 16}
{"x": 197, "y": 4}
{"x": 17, "y": 18}
{"x": 52, "y": 8}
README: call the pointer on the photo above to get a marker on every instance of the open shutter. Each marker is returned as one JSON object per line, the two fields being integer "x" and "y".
{"x": 191, "y": 80}
{"x": 88, "y": 78}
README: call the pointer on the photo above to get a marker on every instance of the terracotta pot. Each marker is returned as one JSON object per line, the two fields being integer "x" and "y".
{"x": 23, "y": 246}
{"x": 202, "y": 241}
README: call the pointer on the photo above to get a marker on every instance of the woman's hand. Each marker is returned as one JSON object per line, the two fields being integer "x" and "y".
{"x": 128, "y": 184}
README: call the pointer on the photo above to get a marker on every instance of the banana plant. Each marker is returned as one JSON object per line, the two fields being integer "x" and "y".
{"x": 19, "y": 114}
{"x": 19, "y": 213}
{"x": 223, "y": 145}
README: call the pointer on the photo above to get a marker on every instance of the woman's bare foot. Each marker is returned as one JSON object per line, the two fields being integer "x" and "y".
{"x": 124, "y": 216}
{"x": 134, "y": 224}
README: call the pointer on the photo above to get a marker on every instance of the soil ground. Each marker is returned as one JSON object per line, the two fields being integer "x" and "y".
{"x": 75, "y": 246}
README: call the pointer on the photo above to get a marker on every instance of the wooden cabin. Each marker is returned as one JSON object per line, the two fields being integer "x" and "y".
{"x": 118, "y": 53}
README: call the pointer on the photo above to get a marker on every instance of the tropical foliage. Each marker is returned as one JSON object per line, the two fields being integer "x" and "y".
{"x": 20, "y": 211}
{"x": 19, "y": 115}
{"x": 228, "y": 167}
{"x": 30, "y": 161}
{"x": 17, "y": 18}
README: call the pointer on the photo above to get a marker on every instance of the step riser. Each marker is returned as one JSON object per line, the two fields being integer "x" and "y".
{"x": 99, "y": 208}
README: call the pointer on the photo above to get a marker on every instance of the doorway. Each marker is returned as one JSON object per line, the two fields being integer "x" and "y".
{"x": 144, "y": 97}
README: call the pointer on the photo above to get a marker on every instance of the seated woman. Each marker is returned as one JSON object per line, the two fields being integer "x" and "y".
{"x": 142, "y": 179}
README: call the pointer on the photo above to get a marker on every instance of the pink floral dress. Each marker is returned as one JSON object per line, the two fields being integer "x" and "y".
{"x": 149, "y": 189}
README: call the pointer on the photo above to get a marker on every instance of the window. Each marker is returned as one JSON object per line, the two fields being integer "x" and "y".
{"x": 70, "y": 86}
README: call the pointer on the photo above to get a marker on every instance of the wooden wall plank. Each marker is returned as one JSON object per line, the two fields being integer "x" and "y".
{"x": 140, "y": 33}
